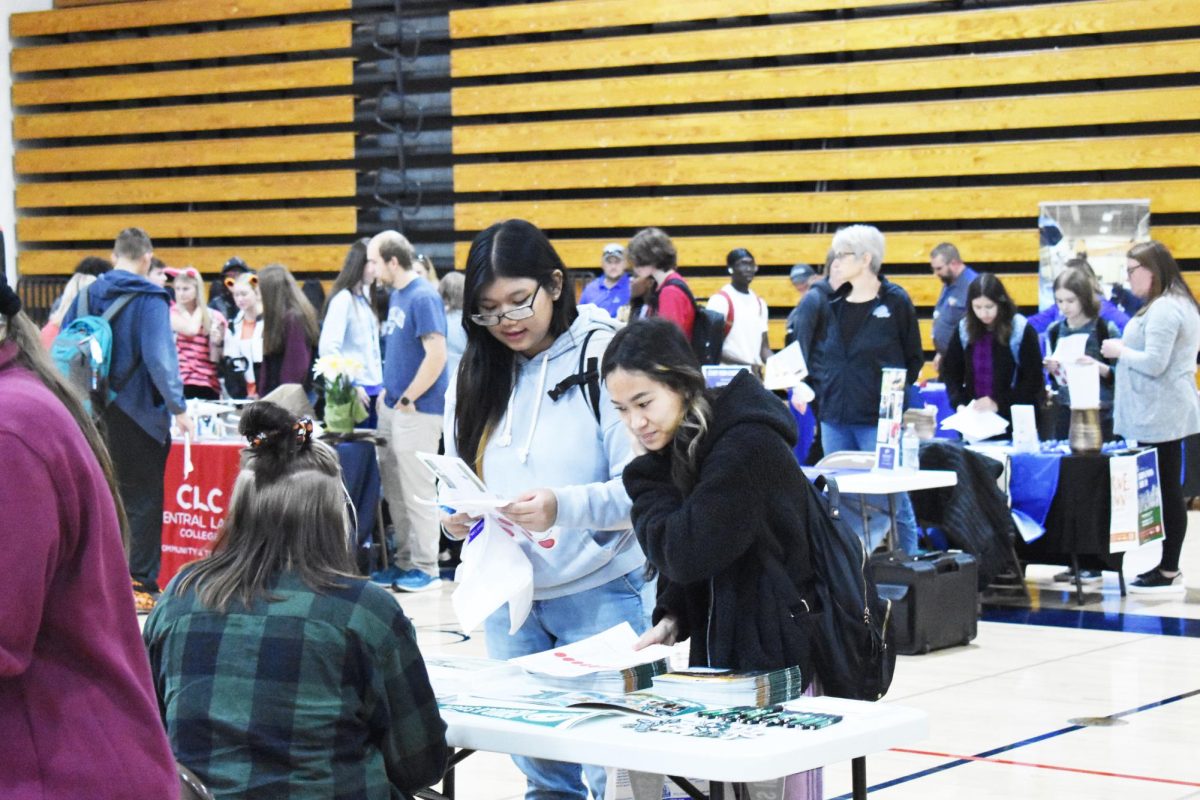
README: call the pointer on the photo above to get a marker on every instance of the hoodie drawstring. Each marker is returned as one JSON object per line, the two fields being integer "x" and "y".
{"x": 505, "y": 437}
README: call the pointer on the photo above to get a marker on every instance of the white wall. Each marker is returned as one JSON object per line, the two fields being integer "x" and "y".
{"x": 8, "y": 217}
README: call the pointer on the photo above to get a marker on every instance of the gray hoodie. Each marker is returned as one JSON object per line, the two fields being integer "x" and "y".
{"x": 542, "y": 443}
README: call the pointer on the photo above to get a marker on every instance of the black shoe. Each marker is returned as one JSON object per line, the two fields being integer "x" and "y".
{"x": 1085, "y": 576}
{"x": 1150, "y": 573}
{"x": 1157, "y": 583}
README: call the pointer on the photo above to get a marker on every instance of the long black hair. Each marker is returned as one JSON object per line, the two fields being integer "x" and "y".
{"x": 513, "y": 248}
{"x": 657, "y": 349}
{"x": 352, "y": 273}
{"x": 989, "y": 286}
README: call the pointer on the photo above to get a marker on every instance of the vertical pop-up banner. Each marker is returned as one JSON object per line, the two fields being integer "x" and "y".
{"x": 891, "y": 418}
{"x": 194, "y": 505}
{"x": 1136, "y": 516}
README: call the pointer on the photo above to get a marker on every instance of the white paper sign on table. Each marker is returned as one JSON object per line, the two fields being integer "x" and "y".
{"x": 1024, "y": 426}
{"x": 1084, "y": 383}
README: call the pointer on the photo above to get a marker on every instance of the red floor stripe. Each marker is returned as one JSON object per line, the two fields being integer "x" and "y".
{"x": 1046, "y": 766}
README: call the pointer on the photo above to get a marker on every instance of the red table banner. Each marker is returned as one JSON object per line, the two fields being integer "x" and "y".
{"x": 194, "y": 507}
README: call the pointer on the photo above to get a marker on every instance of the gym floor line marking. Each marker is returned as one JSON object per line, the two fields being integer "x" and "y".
{"x": 1056, "y": 767}
{"x": 963, "y": 760}
{"x": 1093, "y": 620}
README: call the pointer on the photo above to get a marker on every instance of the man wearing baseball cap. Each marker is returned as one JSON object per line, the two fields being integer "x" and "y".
{"x": 220, "y": 298}
{"x": 611, "y": 290}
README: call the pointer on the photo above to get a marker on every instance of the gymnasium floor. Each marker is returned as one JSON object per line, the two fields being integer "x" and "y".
{"x": 1049, "y": 702}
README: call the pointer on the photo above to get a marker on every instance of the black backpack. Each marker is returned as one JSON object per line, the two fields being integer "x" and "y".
{"x": 708, "y": 329}
{"x": 587, "y": 378}
{"x": 852, "y": 647}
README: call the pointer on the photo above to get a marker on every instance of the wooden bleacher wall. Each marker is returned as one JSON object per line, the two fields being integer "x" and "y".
{"x": 222, "y": 127}
{"x": 767, "y": 124}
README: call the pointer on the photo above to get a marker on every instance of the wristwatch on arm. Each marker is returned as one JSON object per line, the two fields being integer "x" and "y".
{"x": 404, "y": 401}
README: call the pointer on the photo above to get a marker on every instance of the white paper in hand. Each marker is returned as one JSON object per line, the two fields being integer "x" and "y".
{"x": 1084, "y": 382}
{"x": 1069, "y": 348}
{"x": 785, "y": 369}
{"x": 493, "y": 571}
{"x": 609, "y": 650}
{"x": 975, "y": 425}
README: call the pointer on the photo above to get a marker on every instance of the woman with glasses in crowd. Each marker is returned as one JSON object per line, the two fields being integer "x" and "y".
{"x": 1155, "y": 401}
{"x": 199, "y": 335}
{"x": 538, "y": 431}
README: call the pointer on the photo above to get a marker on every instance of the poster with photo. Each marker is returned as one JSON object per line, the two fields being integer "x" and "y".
{"x": 891, "y": 418}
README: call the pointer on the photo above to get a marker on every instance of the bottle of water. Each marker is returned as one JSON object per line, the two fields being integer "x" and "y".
{"x": 910, "y": 447}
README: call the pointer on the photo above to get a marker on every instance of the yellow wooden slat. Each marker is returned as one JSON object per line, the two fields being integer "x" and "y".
{"x": 146, "y": 14}
{"x": 299, "y": 258}
{"x": 172, "y": 119}
{"x": 983, "y": 114}
{"x": 198, "y": 153}
{"x": 922, "y": 30}
{"x": 582, "y": 14}
{"x": 902, "y": 247}
{"x": 191, "y": 224}
{"x": 186, "y": 47}
{"x": 188, "y": 189}
{"x": 863, "y": 163}
{"x": 951, "y": 203}
{"x": 188, "y": 82}
{"x": 991, "y": 69}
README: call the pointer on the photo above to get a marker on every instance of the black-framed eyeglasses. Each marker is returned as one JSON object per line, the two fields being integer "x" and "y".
{"x": 524, "y": 311}
{"x": 1130, "y": 270}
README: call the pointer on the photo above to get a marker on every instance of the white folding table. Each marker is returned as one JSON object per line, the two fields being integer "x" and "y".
{"x": 865, "y": 728}
{"x": 887, "y": 482}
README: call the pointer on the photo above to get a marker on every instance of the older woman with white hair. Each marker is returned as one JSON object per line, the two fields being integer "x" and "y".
{"x": 872, "y": 325}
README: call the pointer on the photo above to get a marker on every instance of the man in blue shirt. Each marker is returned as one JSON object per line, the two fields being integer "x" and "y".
{"x": 951, "y": 306}
{"x": 611, "y": 290}
{"x": 410, "y": 411}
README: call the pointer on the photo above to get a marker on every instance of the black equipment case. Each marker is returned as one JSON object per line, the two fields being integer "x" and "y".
{"x": 935, "y": 601}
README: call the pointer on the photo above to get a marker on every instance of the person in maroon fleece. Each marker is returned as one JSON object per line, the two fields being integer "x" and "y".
{"x": 78, "y": 715}
{"x": 290, "y": 331}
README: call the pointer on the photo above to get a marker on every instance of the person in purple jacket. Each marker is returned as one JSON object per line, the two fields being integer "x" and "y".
{"x": 290, "y": 331}
{"x": 78, "y": 715}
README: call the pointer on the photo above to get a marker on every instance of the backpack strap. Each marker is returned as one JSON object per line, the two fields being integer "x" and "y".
{"x": 81, "y": 304}
{"x": 587, "y": 378}
{"x": 109, "y": 315}
{"x": 729, "y": 313}
{"x": 679, "y": 284}
{"x": 1014, "y": 344}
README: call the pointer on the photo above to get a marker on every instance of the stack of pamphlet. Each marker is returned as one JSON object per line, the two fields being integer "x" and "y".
{"x": 721, "y": 688}
{"x": 605, "y": 662}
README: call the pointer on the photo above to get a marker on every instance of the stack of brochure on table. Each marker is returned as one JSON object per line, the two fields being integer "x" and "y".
{"x": 722, "y": 688}
{"x": 605, "y": 662}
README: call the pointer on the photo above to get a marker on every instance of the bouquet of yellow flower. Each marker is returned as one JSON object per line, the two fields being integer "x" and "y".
{"x": 343, "y": 408}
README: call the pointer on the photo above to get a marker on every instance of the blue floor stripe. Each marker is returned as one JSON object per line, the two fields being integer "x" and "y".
{"x": 1094, "y": 620}
{"x": 958, "y": 762}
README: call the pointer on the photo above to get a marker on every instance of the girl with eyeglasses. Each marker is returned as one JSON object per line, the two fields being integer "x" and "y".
{"x": 1155, "y": 401}
{"x": 199, "y": 335}
{"x": 538, "y": 431}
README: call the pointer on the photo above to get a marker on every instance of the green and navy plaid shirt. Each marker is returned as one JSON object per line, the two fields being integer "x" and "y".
{"x": 318, "y": 695}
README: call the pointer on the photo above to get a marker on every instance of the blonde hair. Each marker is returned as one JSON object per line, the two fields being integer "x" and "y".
{"x": 201, "y": 297}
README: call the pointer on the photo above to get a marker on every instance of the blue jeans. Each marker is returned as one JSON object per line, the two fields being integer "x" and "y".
{"x": 563, "y": 620}
{"x": 836, "y": 437}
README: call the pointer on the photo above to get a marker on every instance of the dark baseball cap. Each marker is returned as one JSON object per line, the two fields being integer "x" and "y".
{"x": 235, "y": 264}
{"x": 801, "y": 272}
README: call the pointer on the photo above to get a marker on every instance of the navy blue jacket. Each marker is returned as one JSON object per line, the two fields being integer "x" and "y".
{"x": 849, "y": 377}
{"x": 142, "y": 335}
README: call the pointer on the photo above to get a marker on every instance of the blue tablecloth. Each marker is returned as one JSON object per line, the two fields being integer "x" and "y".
{"x": 934, "y": 394}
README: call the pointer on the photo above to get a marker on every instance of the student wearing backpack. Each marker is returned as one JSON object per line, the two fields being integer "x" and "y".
{"x": 652, "y": 254}
{"x": 147, "y": 393}
{"x": 995, "y": 361}
{"x": 538, "y": 431}
{"x": 744, "y": 311}
{"x": 1076, "y": 302}
{"x": 720, "y": 507}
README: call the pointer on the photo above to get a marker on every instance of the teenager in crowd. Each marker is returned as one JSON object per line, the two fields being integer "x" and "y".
{"x": 86, "y": 271}
{"x": 869, "y": 323}
{"x": 290, "y": 331}
{"x": 993, "y": 361}
{"x": 1155, "y": 402}
{"x": 279, "y": 671}
{"x": 221, "y": 296}
{"x": 350, "y": 327}
{"x": 244, "y": 340}
{"x": 719, "y": 506}
{"x": 610, "y": 290}
{"x": 1107, "y": 310}
{"x": 1076, "y": 301}
{"x": 532, "y": 435}
{"x": 199, "y": 335}
{"x": 652, "y": 256}
{"x": 78, "y": 716}
{"x": 744, "y": 311}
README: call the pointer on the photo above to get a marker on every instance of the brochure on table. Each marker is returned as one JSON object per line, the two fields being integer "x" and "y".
{"x": 975, "y": 425}
{"x": 609, "y": 651}
{"x": 891, "y": 419}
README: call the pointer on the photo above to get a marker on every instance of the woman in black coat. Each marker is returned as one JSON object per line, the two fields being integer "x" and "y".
{"x": 994, "y": 360}
{"x": 719, "y": 505}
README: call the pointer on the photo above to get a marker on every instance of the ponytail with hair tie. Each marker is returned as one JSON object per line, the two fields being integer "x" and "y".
{"x": 275, "y": 437}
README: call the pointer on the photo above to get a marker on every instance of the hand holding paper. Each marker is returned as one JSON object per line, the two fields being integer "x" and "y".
{"x": 785, "y": 369}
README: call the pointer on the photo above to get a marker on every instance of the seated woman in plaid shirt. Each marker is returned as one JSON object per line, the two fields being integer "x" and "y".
{"x": 280, "y": 673}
